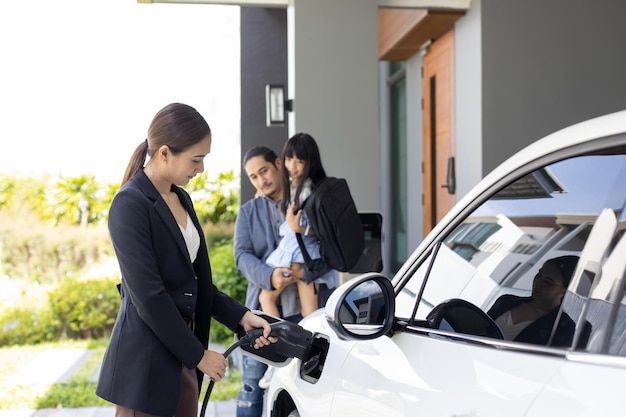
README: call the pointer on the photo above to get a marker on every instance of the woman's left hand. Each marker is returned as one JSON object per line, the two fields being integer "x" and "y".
{"x": 251, "y": 321}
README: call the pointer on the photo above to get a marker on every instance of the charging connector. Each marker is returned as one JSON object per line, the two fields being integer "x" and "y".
{"x": 293, "y": 341}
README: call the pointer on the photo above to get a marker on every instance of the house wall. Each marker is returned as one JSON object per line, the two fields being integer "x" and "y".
{"x": 467, "y": 119}
{"x": 333, "y": 80}
{"x": 523, "y": 69}
{"x": 468, "y": 100}
{"x": 415, "y": 151}
{"x": 385, "y": 157}
{"x": 546, "y": 65}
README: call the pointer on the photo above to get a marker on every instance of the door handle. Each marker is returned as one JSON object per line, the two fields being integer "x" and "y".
{"x": 451, "y": 177}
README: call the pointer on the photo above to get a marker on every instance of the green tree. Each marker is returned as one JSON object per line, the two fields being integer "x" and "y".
{"x": 215, "y": 200}
{"x": 23, "y": 197}
{"x": 7, "y": 191}
{"x": 42, "y": 241}
{"x": 102, "y": 202}
{"x": 72, "y": 200}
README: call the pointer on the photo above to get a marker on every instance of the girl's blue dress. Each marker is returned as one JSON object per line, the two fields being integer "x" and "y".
{"x": 288, "y": 250}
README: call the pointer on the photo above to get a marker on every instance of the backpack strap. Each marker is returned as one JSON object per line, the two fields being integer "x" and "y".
{"x": 305, "y": 254}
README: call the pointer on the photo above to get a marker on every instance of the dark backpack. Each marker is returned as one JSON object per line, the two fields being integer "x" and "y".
{"x": 336, "y": 224}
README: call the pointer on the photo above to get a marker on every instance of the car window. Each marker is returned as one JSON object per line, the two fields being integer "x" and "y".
{"x": 500, "y": 247}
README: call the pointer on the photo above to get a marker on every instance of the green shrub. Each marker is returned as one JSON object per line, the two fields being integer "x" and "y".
{"x": 225, "y": 274}
{"x": 228, "y": 280}
{"x": 85, "y": 309}
{"x": 43, "y": 254}
{"x": 45, "y": 240}
{"x": 216, "y": 233}
{"x": 27, "y": 325}
{"x": 80, "y": 309}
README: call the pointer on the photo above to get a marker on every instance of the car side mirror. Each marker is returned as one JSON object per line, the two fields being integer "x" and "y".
{"x": 362, "y": 308}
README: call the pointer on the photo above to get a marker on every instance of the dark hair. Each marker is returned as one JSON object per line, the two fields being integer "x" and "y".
{"x": 268, "y": 154}
{"x": 178, "y": 126}
{"x": 567, "y": 266}
{"x": 301, "y": 146}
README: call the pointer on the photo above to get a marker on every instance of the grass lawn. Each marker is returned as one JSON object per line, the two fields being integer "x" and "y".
{"x": 79, "y": 392}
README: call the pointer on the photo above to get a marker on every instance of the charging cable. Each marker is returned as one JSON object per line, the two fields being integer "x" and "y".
{"x": 293, "y": 342}
{"x": 205, "y": 402}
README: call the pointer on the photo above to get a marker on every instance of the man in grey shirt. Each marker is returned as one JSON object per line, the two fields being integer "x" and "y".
{"x": 256, "y": 236}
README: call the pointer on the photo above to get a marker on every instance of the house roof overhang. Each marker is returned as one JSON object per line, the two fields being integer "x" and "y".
{"x": 402, "y": 32}
{"x": 404, "y": 26}
{"x": 422, "y": 4}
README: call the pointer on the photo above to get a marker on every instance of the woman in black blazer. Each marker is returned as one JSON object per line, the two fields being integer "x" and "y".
{"x": 158, "y": 354}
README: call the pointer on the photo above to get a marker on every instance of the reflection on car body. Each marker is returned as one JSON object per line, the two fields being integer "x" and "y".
{"x": 422, "y": 343}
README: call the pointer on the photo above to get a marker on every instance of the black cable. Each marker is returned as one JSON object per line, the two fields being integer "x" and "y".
{"x": 292, "y": 341}
{"x": 205, "y": 402}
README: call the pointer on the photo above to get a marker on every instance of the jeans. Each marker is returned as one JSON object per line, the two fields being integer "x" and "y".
{"x": 250, "y": 399}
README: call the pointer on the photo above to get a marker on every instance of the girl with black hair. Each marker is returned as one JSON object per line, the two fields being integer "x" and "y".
{"x": 301, "y": 170}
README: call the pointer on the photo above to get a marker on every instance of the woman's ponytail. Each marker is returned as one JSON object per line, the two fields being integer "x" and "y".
{"x": 137, "y": 160}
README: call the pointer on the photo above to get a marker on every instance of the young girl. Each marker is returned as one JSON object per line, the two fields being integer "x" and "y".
{"x": 301, "y": 169}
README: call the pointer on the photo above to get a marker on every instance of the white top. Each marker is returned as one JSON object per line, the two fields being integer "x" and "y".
{"x": 509, "y": 329}
{"x": 192, "y": 238}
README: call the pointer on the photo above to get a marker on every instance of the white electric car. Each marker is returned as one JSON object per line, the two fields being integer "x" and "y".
{"x": 421, "y": 343}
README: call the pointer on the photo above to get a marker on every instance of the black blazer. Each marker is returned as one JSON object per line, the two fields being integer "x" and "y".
{"x": 161, "y": 291}
{"x": 538, "y": 332}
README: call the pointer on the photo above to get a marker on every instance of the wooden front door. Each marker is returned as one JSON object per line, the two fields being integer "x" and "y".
{"x": 438, "y": 165}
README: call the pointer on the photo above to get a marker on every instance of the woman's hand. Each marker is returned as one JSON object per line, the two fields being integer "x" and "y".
{"x": 213, "y": 364}
{"x": 251, "y": 321}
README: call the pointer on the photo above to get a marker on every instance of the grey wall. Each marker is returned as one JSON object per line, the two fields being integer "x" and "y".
{"x": 468, "y": 101}
{"x": 415, "y": 152}
{"x": 263, "y": 61}
{"x": 333, "y": 78}
{"x": 523, "y": 69}
{"x": 334, "y": 89}
{"x": 546, "y": 65}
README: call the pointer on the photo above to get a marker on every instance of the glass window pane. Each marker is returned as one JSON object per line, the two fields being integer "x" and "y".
{"x": 500, "y": 248}
{"x": 398, "y": 175}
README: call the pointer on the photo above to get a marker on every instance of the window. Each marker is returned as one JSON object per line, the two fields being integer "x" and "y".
{"x": 500, "y": 247}
{"x": 398, "y": 174}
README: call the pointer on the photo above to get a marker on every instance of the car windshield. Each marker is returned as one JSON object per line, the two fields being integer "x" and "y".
{"x": 500, "y": 247}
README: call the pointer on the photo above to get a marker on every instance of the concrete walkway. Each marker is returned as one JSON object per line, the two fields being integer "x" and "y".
{"x": 57, "y": 366}
{"x": 214, "y": 409}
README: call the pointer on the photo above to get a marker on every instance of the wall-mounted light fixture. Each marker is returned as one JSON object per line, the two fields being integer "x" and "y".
{"x": 275, "y": 105}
